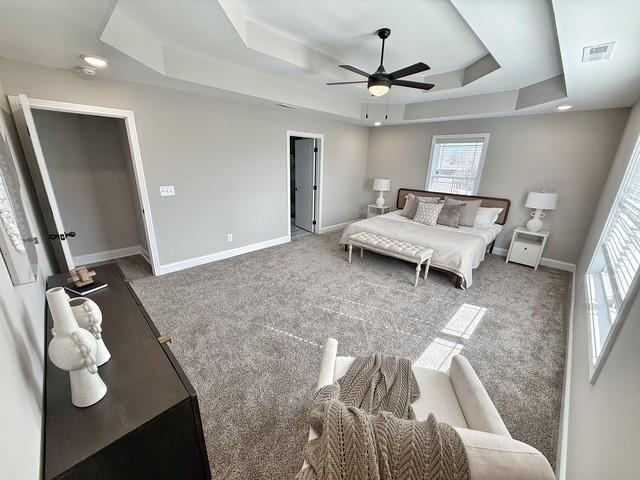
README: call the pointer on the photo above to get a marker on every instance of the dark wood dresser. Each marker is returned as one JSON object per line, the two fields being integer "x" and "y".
{"x": 147, "y": 426}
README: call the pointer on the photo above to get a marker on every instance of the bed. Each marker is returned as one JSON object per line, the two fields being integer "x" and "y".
{"x": 456, "y": 250}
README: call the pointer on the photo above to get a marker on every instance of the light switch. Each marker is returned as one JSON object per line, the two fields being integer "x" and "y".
{"x": 167, "y": 190}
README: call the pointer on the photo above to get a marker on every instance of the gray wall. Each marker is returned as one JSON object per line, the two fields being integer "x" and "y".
{"x": 570, "y": 153}
{"x": 21, "y": 349}
{"x": 89, "y": 174}
{"x": 605, "y": 418}
{"x": 227, "y": 159}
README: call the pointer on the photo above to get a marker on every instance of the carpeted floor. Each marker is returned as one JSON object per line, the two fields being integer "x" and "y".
{"x": 134, "y": 267}
{"x": 248, "y": 332}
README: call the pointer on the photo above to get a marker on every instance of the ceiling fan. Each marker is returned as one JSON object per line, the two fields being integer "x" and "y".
{"x": 379, "y": 82}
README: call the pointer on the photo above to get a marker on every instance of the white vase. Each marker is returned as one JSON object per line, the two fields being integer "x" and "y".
{"x": 89, "y": 317}
{"x": 74, "y": 349}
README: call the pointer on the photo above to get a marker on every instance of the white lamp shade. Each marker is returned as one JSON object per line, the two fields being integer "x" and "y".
{"x": 542, "y": 200}
{"x": 381, "y": 184}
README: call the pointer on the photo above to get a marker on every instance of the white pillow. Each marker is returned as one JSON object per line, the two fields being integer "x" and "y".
{"x": 427, "y": 213}
{"x": 486, "y": 216}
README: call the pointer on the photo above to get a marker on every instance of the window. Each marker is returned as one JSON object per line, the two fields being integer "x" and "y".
{"x": 456, "y": 163}
{"x": 614, "y": 273}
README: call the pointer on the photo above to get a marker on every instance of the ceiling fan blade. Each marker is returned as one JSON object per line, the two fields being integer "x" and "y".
{"x": 355, "y": 70}
{"x": 411, "y": 70}
{"x": 406, "y": 83}
{"x": 345, "y": 83}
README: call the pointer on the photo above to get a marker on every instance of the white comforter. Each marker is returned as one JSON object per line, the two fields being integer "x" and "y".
{"x": 458, "y": 250}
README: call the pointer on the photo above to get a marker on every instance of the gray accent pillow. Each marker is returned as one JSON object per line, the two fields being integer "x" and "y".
{"x": 411, "y": 204}
{"x": 468, "y": 212}
{"x": 450, "y": 215}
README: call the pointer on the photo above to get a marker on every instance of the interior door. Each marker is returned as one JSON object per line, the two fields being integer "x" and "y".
{"x": 305, "y": 176}
{"x": 42, "y": 182}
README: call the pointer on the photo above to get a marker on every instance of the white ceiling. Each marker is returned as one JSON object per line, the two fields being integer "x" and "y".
{"x": 433, "y": 32}
{"x": 273, "y": 51}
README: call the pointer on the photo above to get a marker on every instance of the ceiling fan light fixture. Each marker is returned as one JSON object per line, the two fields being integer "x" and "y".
{"x": 378, "y": 86}
{"x": 378, "y": 90}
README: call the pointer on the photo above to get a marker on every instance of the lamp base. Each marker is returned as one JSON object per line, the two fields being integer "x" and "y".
{"x": 380, "y": 200}
{"x": 535, "y": 224}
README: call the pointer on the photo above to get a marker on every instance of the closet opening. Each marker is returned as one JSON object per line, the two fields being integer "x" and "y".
{"x": 304, "y": 163}
{"x": 88, "y": 185}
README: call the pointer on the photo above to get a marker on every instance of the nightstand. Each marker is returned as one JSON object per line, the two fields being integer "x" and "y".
{"x": 527, "y": 247}
{"x": 373, "y": 210}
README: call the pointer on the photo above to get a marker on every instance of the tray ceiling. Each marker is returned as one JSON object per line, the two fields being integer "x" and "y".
{"x": 487, "y": 58}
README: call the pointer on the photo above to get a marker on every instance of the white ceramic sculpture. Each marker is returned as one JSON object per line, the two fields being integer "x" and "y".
{"x": 89, "y": 317}
{"x": 74, "y": 349}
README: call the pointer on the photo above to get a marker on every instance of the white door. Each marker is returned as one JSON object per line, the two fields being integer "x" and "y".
{"x": 305, "y": 169}
{"x": 42, "y": 182}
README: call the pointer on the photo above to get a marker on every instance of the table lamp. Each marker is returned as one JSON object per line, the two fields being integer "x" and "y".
{"x": 539, "y": 201}
{"x": 381, "y": 185}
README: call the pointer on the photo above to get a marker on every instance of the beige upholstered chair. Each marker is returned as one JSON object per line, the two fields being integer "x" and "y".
{"x": 459, "y": 399}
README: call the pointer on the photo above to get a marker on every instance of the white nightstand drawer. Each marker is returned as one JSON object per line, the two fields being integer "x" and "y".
{"x": 525, "y": 253}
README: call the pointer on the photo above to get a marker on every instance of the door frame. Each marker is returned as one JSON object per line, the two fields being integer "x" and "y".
{"x": 317, "y": 206}
{"x": 134, "y": 150}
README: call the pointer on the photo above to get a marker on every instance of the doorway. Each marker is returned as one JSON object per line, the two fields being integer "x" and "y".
{"x": 87, "y": 172}
{"x": 304, "y": 162}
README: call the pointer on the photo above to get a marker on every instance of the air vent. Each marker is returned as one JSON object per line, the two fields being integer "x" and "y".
{"x": 285, "y": 105}
{"x": 597, "y": 52}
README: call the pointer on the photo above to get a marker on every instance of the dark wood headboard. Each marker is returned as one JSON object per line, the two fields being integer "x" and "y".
{"x": 488, "y": 202}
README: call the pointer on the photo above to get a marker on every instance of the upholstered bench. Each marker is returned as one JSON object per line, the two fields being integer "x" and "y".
{"x": 392, "y": 248}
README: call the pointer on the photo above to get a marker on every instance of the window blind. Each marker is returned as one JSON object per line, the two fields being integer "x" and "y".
{"x": 455, "y": 164}
{"x": 615, "y": 267}
{"x": 621, "y": 242}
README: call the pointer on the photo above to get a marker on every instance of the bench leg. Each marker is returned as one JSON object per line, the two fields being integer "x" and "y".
{"x": 350, "y": 250}
{"x": 361, "y": 252}
{"x": 426, "y": 268}
{"x": 418, "y": 265}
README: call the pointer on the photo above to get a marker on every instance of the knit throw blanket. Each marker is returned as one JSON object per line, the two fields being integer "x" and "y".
{"x": 367, "y": 429}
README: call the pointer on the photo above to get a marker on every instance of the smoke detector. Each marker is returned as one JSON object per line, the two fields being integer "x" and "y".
{"x": 88, "y": 71}
{"x": 597, "y": 52}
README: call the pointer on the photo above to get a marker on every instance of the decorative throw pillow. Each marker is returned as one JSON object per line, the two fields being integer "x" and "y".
{"x": 468, "y": 212}
{"x": 450, "y": 214}
{"x": 427, "y": 213}
{"x": 411, "y": 204}
{"x": 486, "y": 216}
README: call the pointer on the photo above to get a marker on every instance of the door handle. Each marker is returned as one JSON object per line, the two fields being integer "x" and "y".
{"x": 62, "y": 236}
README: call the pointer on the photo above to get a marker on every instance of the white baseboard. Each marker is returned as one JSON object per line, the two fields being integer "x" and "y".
{"x": 107, "y": 255}
{"x": 563, "y": 434}
{"x": 547, "y": 262}
{"x": 145, "y": 254}
{"x": 336, "y": 227}
{"x": 194, "y": 262}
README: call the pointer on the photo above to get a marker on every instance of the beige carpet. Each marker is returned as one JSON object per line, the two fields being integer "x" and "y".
{"x": 248, "y": 331}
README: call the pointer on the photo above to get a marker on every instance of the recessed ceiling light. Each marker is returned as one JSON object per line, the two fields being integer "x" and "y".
{"x": 562, "y": 108}
{"x": 377, "y": 124}
{"x": 94, "y": 61}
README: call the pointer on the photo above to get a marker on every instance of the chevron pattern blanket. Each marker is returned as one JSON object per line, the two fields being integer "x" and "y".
{"x": 367, "y": 429}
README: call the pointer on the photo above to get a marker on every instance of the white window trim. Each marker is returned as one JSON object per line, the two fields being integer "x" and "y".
{"x": 435, "y": 138}
{"x": 634, "y": 288}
